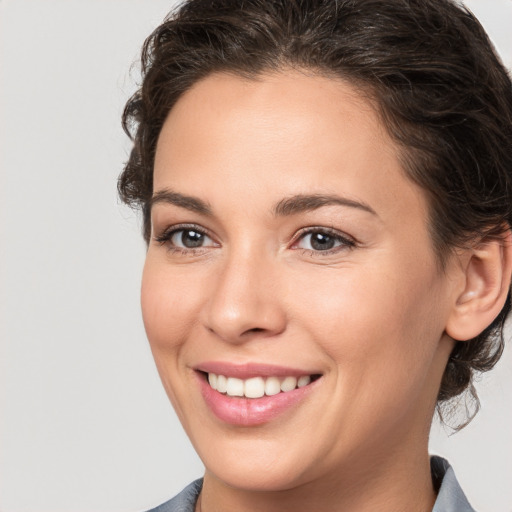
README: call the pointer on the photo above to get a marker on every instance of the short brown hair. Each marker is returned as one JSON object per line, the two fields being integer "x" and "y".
{"x": 428, "y": 66}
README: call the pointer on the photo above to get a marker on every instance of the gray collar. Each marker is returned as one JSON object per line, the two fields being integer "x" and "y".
{"x": 450, "y": 498}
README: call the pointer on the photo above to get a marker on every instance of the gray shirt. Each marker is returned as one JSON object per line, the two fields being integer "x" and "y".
{"x": 450, "y": 497}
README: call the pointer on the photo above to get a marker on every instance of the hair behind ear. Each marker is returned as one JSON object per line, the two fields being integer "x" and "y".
{"x": 478, "y": 324}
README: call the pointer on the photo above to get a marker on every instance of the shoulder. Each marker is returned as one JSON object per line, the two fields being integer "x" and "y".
{"x": 185, "y": 501}
{"x": 450, "y": 497}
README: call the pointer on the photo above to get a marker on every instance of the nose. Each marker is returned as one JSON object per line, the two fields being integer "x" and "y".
{"x": 245, "y": 300}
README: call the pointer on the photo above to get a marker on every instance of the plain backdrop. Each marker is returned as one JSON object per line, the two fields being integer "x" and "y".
{"x": 84, "y": 422}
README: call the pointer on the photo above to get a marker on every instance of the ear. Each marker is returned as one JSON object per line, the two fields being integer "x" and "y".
{"x": 487, "y": 270}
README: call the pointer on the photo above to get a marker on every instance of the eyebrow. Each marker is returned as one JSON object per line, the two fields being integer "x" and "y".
{"x": 289, "y": 206}
{"x": 191, "y": 203}
{"x": 302, "y": 203}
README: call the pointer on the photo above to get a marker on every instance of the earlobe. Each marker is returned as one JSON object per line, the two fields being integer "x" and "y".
{"x": 487, "y": 272}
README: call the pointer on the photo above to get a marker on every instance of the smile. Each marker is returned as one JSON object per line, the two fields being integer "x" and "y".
{"x": 253, "y": 394}
{"x": 256, "y": 387}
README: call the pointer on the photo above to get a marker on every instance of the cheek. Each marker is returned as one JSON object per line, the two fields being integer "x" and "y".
{"x": 168, "y": 310}
{"x": 168, "y": 306}
{"x": 371, "y": 318}
{"x": 381, "y": 332}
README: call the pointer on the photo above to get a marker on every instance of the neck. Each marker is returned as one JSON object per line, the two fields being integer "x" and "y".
{"x": 394, "y": 484}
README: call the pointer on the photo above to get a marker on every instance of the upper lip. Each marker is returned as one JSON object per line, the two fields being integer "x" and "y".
{"x": 249, "y": 370}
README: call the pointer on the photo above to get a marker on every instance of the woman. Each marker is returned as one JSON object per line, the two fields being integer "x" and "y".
{"x": 326, "y": 193}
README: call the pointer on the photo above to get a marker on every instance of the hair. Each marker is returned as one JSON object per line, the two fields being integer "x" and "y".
{"x": 427, "y": 66}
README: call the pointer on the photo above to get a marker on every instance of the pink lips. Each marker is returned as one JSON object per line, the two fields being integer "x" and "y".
{"x": 246, "y": 412}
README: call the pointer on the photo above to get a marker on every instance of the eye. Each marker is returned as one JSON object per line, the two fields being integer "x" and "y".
{"x": 185, "y": 237}
{"x": 189, "y": 239}
{"x": 323, "y": 240}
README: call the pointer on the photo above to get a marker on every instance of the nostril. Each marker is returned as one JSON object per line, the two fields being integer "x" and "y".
{"x": 255, "y": 329}
{"x": 239, "y": 321}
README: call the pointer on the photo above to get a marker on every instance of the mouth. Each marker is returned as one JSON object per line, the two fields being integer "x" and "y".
{"x": 251, "y": 395}
{"x": 257, "y": 387}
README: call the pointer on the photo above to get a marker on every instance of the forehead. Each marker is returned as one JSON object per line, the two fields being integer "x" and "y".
{"x": 288, "y": 107}
{"x": 281, "y": 134}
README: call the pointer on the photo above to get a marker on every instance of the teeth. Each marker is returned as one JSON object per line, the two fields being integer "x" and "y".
{"x": 222, "y": 384}
{"x": 272, "y": 386}
{"x": 212, "y": 379}
{"x": 303, "y": 381}
{"x": 235, "y": 387}
{"x": 256, "y": 387}
{"x": 288, "y": 384}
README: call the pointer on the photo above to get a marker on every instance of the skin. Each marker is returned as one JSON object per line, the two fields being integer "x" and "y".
{"x": 372, "y": 317}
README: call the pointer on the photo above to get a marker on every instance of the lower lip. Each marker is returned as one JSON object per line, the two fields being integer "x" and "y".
{"x": 248, "y": 412}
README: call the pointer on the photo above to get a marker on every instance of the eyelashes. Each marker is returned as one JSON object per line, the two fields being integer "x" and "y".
{"x": 315, "y": 241}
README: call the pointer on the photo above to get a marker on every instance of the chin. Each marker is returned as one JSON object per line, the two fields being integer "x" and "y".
{"x": 253, "y": 477}
{"x": 257, "y": 464}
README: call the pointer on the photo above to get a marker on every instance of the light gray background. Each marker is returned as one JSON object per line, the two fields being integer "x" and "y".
{"x": 84, "y": 422}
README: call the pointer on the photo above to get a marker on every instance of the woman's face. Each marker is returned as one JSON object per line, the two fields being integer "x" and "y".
{"x": 288, "y": 246}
